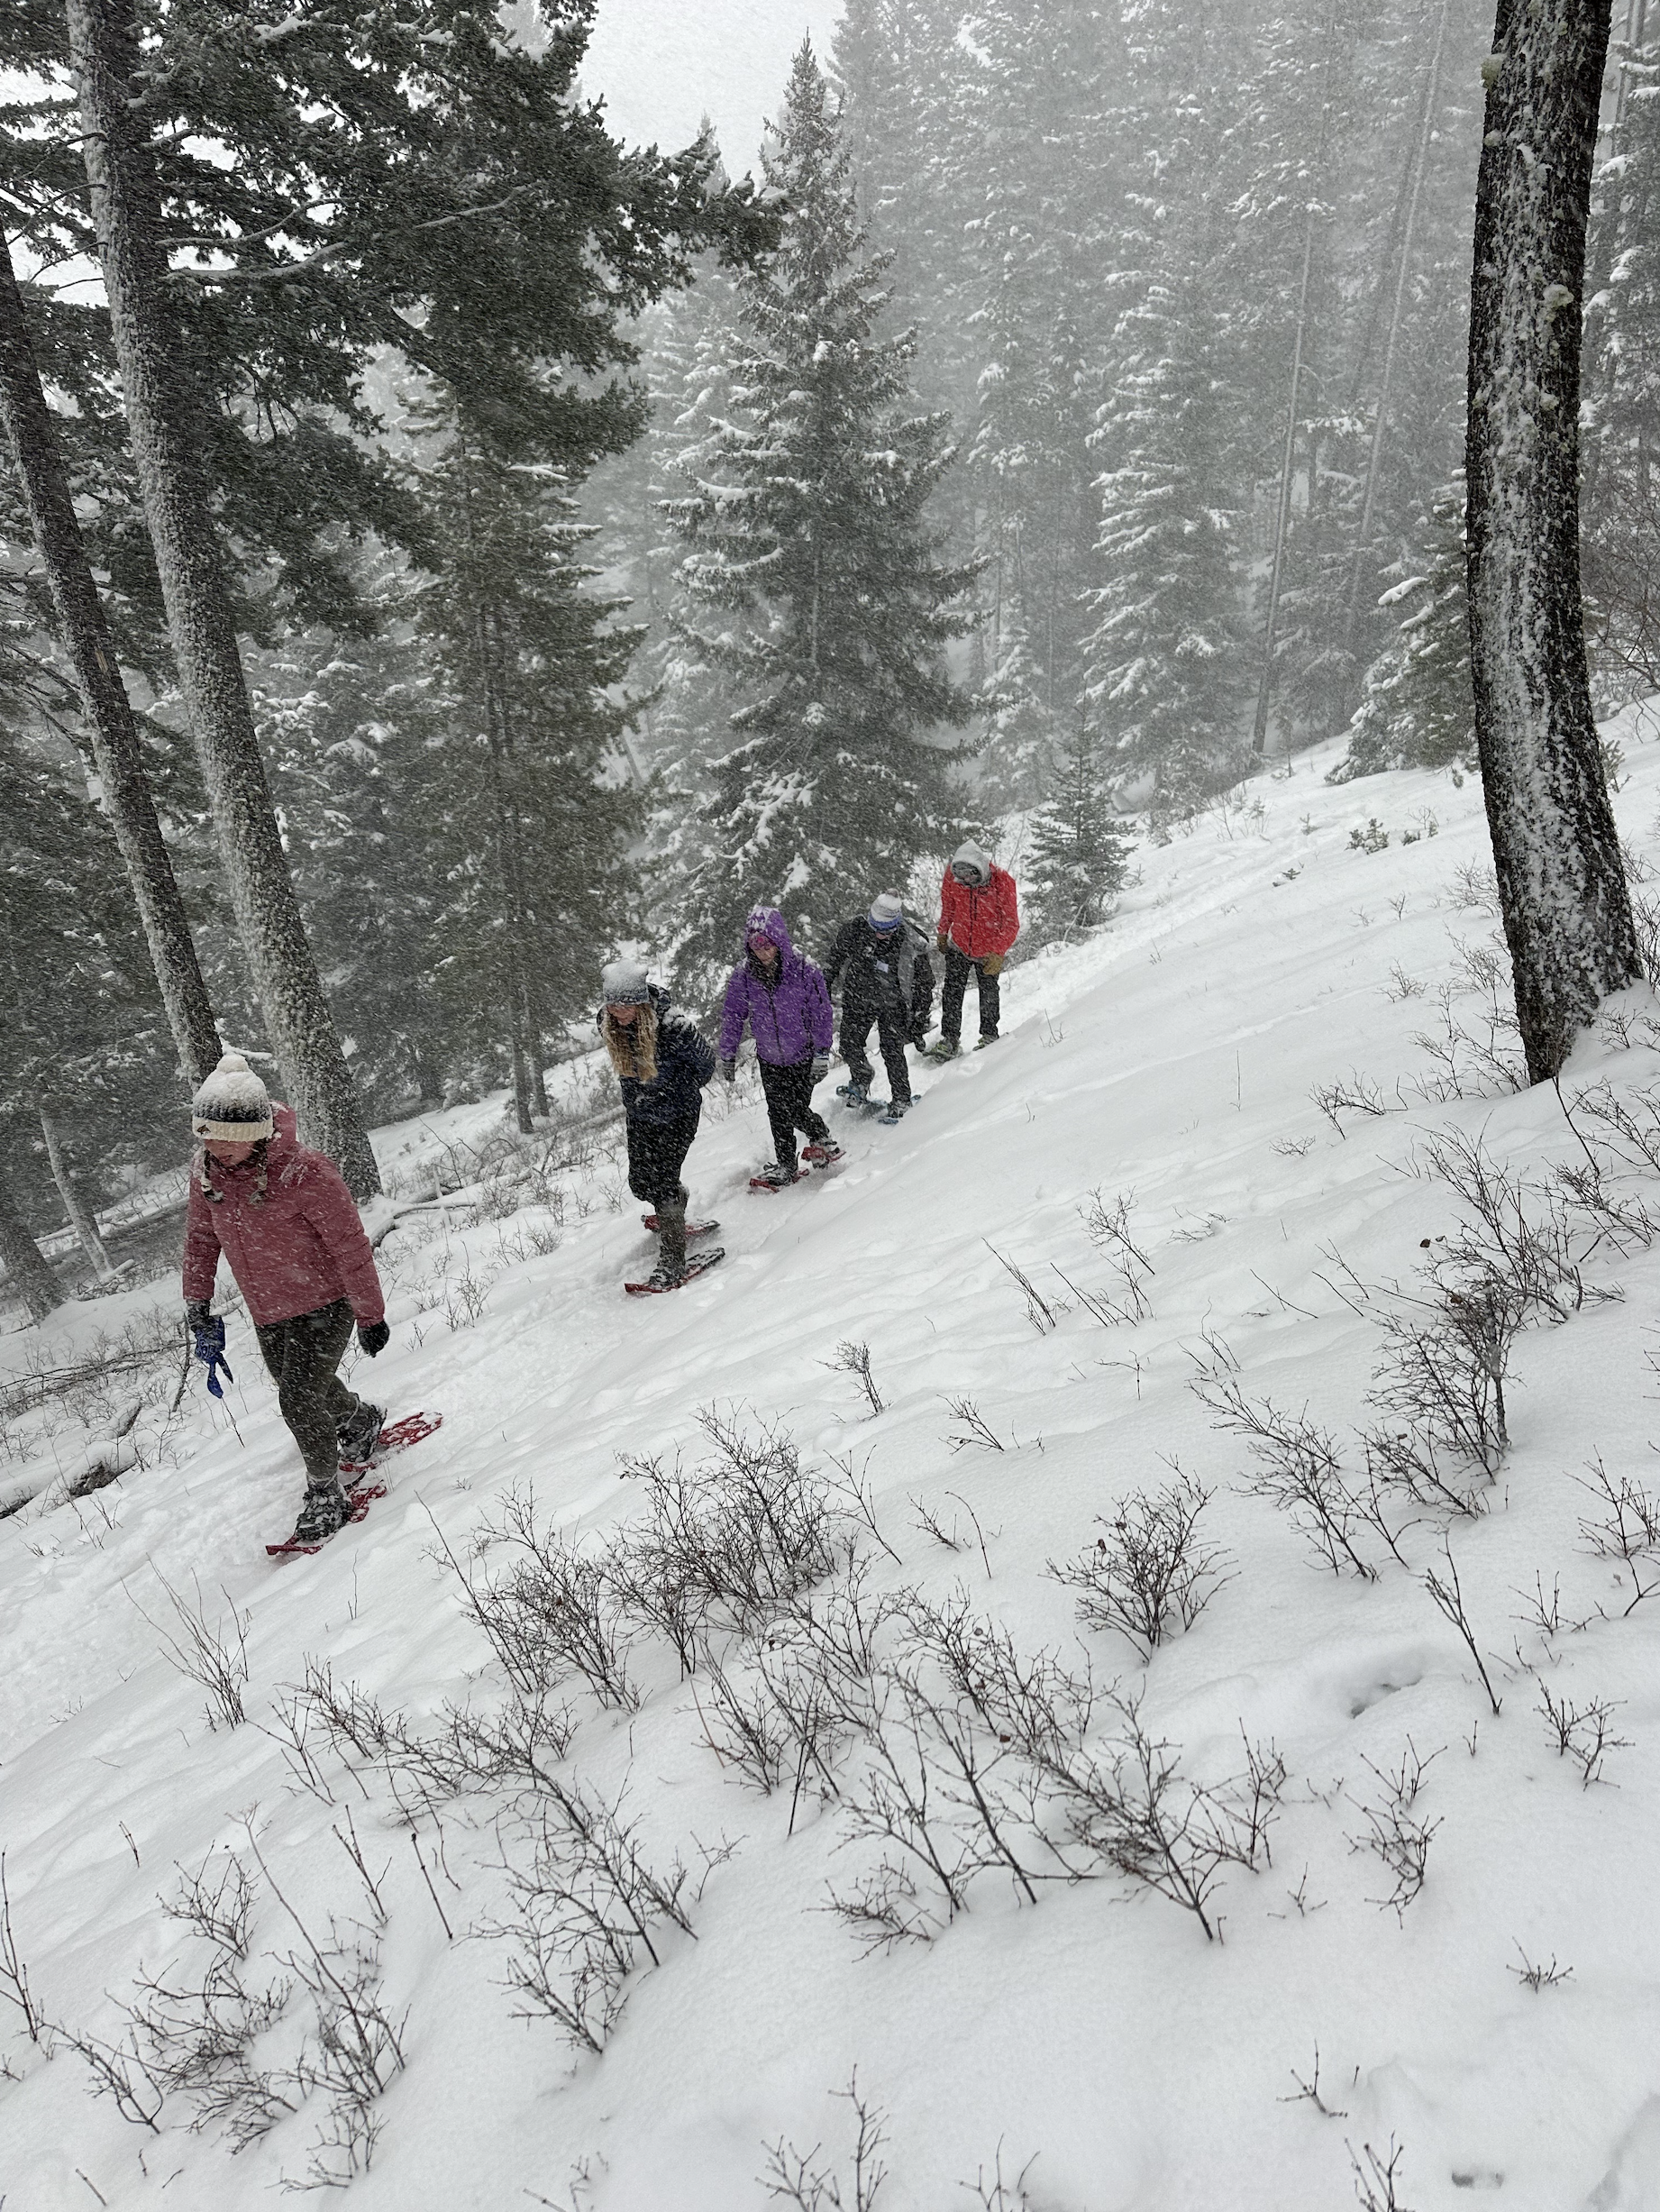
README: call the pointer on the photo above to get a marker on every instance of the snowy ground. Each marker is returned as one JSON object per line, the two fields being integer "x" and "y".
{"x": 1096, "y": 2033}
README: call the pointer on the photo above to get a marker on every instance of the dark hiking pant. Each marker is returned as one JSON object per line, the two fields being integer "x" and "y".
{"x": 302, "y": 1355}
{"x": 789, "y": 1108}
{"x": 959, "y": 967}
{"x": 892, "y": 1030}
{"x": 656, "y": 1153}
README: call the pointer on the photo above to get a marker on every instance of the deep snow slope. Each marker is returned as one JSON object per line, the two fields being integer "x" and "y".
{"x": 1095, "y": 2033}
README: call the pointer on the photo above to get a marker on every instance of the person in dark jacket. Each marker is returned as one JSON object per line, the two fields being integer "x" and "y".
{"x": 783, "y": 998}
{"x": 662, "y": 1062}
{"x": 980, "y": 919}
{"x": 283, "y": 1218}
{"x": 881, "y": 962}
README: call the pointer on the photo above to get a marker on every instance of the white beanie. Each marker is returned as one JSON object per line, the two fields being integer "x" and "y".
{"x": 886, "y": 908}
{"x": 623, "y": 983}
{"x": 232, "y": 1105}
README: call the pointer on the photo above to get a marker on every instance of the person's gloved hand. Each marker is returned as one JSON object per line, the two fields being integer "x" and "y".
{"x": 992, "y": 965}
{"x": 943, "y": 940}
{"x": 821, "y": 1066}
{"x": 374, "y": 1337}
{"x": 207, "y": 1342}
{"x": 729, "y": 1071}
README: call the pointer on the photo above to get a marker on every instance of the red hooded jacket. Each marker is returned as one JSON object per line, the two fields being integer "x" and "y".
{"x": 294, "y": 1246}
{"x": 979, "y": 922}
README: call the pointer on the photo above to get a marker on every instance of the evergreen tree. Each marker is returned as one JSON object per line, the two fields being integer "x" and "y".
{"x": 810, "y": 545}
{"x": 1076, "y": 858}
{"x": 1417, "y": 709}
{"x": 1167, "y": 674}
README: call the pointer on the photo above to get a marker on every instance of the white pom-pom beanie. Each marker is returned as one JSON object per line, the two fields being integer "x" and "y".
{"x": 233, "y": 1105}
{"x": 624, "y": 983}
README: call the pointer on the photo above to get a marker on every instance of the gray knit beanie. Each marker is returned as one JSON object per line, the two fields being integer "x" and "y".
{"x": 623, "y": 983}
{"x": 233, "y": 1105}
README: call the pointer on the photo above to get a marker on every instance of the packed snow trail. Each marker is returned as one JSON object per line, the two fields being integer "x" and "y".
{"x": 1171, "y": 1057}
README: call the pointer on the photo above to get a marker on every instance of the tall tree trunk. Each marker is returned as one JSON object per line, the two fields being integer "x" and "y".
{"x": 28, "y": 1271}
{"x": 79, "y": 1215}
{"x": 1562, "y": 885}
{"x": 1288, "y": 458}
{"x": 1403, "y": 272}
{"x": 105, "y": 705}
{"x": 161, "y": 412}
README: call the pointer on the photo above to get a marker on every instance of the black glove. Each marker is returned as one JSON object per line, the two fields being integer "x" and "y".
{"x": 374, "y": 1337}
{"x": 198, "y": 1312}
{"x": 821, "y": 1067}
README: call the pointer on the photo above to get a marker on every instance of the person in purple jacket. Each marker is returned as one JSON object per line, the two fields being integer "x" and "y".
{"x": 784, "y": 1000}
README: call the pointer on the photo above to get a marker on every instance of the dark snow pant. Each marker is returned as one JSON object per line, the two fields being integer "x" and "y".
{"x": 959, "y": 967}
{"x": 789, "y": 1108}
{"x": 302, "y": 1355}
{"x": 892, "y": 1030}
{"x": 656, "y": 1153}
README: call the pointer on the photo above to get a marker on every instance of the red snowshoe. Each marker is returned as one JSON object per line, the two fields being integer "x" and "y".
{"x": 660, "y": 1279}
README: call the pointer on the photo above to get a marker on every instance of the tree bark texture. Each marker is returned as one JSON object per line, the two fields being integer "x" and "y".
{"x": 104, "y": 706}
{"x": 1562, "y": 885}
{"x": 157, "y": 388}
{"x": 77, "y": 1212}
{"x": 28, "y": 1271}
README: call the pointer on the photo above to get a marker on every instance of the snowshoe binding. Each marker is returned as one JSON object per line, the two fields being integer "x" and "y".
{"x": 944, "y": 1048}
{"x": 399, "y": 1437}
{"x": 824, "y": 1154}
{"x": 857, "y": 1094}
{"x": 663, "y": 1278}
{"x": 897, "y": 1109}
{"x": 357, "y": 1436}
{"x": 776, "y": 1176}
{"x": 693, "y": 1229}
{"x": 990, "y": 1038}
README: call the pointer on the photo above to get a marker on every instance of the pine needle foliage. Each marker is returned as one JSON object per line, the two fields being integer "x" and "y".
{"x": 813, "y": 576}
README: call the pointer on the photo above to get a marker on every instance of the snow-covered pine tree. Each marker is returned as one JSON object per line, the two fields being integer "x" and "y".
{"x": 1417, "y": 709}
{"x": 1168, "y": 671}
{"x": 1620, "y": 508}
{"x": 527, "y": 806}
{"x": 1051, "y": 174}
{"x": 814, "y": 574}
{"x": 1076, "y": 858}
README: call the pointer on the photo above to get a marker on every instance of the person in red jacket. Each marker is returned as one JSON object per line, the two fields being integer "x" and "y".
{"x": 980, "y": 919}
{"x": 283, "y": 1218}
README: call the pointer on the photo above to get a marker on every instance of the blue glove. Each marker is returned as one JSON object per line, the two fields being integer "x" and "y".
{"x": 207, "y": 1341}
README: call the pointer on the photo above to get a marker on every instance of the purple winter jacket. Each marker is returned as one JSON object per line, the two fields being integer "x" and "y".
{"x": 790, "y": 1020}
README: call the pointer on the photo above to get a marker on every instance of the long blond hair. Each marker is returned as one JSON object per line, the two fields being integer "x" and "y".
{"x": 632, "y": 1045}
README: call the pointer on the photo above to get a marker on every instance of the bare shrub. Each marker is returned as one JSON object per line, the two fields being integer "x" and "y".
{"x": 730, "y": 1542}
{"x": 796, "y": 2178}
{"x": 1442, "y": 1373}
{"x": 1150, "y": 1576}
{"x": 854, "y": 1359}
{"x": 1520, "y": 1236}
{"x": 587, "y": 1907}
{"x": 554, "y": 1615}
{"x": 1538, "y": 1978}
{"x": 976, "y": 1428}
{"x": 753, "y": 1734}
{"x": 1397, "y": 1834}
{"x": 1355, "y": 1093}
{"x": 1447, "y": 1594}
{"x": 1038, "y": 1311}
{"x": 1626, "y": 1528}
{"x": 14, "y": 1971}
{"x": 1581, "y": 1732}
{"x": 212, "y": 1654}
{"x": 1298, "y": 1469}
{"x": 1476, "y": 1058}
{"x": 1377, "y": 2180}
{"x": 1107, "y": 1227}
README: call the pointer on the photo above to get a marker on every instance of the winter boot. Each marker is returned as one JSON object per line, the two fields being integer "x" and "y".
{"x": 358, "y": 1434}
{"x": 946, "y": 1049}
{"x": 776, "y": 1175}
{"x": 854, "y": 1093}
{"x": 898, "y": 1108}
{"x": 990, "y": 1038}
{"x": 670, "y": 1240}
{"x": 325, "y": 1511}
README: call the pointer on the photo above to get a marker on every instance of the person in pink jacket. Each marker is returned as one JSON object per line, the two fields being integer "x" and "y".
{"x": 283, "y": 1218}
